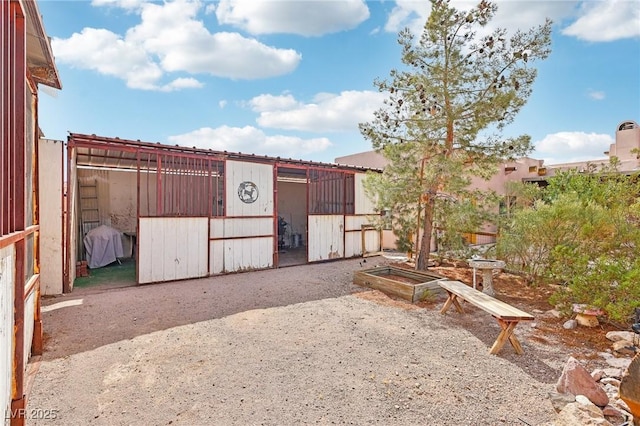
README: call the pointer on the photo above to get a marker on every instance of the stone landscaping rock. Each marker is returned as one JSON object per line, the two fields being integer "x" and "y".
{"x": 624, "y": 347}
{"x": 614, "y": 336}
{"x": 570, "y": 324}
{"x": 560, "y": 400}
{"x": 577, "y": 413}
{"x": 576, "y": 380}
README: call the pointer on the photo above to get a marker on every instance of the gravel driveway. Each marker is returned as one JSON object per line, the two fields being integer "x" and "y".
{"x": 297, "y": 345}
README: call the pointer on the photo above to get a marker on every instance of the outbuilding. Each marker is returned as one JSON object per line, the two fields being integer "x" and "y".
{"x": 186, "y": 213}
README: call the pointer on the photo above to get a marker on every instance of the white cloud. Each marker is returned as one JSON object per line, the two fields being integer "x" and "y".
{"x": 123, "y": 4}
{"x": 327, "y": 112}
{"x": 568, "y": 147}
{"x": 511, "y": 15}
{"x": 251, "y": 140}
{"x": 170, "y": 38}
{"x": 222, "y": 104}
{"x": 306, "y": 18}
{"x": 597, "y": 95}
{"x": 606, "y": 21}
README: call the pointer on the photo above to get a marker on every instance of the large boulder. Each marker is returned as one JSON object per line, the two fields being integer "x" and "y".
{"x": 576, "y": 380}
{"x": 630, "y": 387}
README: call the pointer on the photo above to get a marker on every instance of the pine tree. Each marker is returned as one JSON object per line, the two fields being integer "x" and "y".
{"x": 442, "y": 122}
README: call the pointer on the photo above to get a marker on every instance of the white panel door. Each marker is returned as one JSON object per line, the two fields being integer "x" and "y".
{"x": 326, "y": 237}
{"x": 249, "y": 189}
{"x": 50, "y": 193}
{"x": 172, "y": 249}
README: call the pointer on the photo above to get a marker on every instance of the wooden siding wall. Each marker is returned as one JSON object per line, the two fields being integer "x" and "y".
{"x": 326, "y": 237}
{"x": 51, "y": 208}
{"x": 240, "y": 244}
{"x": 172, "y": 249}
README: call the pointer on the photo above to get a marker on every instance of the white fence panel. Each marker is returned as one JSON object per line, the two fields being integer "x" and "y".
{"x": 50, "y": 193}
{"x": 353, "y": 236}
{"x": 172, "y": 249}
{"x": 7, "y": 259}
{"x": 326, "y": 237}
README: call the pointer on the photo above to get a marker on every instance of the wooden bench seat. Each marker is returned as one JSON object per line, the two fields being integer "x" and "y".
{"x": 506, "y": 315}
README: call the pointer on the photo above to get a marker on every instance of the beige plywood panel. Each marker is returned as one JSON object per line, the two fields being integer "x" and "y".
{"x": 172, "y": 249}
{"x": 325, "y": 240}
{"x": 50, "y": 206}
{"x": 363, "y": 204}
{"x": 7, "y": 269}
{"x": 249, "y": 189}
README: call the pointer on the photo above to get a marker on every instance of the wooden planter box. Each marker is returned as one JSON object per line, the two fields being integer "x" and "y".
{"x": 404, "y": 283}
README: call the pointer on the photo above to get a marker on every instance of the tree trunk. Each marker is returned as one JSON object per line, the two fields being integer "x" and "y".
{"x": 422, "y": 262}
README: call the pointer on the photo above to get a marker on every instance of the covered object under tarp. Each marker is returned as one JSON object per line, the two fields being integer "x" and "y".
{"x": 103, "y": 245}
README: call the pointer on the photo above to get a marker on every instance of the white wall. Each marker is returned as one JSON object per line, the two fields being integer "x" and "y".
{"x": 50, "y": 193}
{"x": 7, "y": 259}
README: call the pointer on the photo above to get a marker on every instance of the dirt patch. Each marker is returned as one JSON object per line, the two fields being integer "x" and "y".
{"x": 293, "y": 346}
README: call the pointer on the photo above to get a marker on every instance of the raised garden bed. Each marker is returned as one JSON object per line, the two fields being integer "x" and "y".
{"x": 404, "y": 283}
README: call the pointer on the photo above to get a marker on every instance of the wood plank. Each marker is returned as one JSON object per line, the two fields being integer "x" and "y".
{"x": 495, "y": 307}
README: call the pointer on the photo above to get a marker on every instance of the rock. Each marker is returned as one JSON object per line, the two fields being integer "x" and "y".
{"x": 614, "y": 336}
{"x": 630, "y": 387}
{"x": 622, "y": 363}
{"x": 598, "y": 374}
{"x": 614, "y": 413}
{"x": 581, "y": 414}
{"x": 576, "y": 380}
{"x": 570, "y": 324}
{"x": 586, "y": 320}
{"x": 610, "y": 381}
{"x": 560, "y": 400}
{"x": 615, "y": 373}
{"x": 554, "y": 313}
{"x": 624, "y": 347}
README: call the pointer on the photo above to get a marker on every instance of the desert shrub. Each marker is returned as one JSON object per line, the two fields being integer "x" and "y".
{"x": 582, "y": 233}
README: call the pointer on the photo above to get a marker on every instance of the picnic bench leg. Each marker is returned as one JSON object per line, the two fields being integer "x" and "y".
{"x": 506, "y": 334}
{"x": 452, "y": 299}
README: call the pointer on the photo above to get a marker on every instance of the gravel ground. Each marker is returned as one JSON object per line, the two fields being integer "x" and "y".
{"x": 298, "y": 345}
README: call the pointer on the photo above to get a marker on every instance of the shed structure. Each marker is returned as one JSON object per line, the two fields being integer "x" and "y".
{"x": 189, "y": 213}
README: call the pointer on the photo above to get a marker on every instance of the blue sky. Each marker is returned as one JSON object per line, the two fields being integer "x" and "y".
{"x": 293, "y": 78}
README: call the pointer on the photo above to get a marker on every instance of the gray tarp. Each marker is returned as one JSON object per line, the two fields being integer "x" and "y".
{"x": 103, "y": 245}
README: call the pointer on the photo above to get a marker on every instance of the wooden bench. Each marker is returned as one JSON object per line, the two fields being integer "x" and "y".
{"x": 506, "y": 315}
